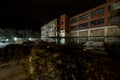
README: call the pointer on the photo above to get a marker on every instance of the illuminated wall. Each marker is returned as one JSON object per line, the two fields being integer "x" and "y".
{"x": 49, "y": 30}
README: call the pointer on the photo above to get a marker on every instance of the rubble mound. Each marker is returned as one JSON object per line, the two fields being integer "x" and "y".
{"x": 69, "y": 65}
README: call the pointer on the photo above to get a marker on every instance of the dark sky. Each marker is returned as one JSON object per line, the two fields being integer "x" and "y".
{"x": 29, "y": 13}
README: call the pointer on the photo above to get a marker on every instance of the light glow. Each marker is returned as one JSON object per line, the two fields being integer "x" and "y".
{"x": 30, "y": 39}
{"x": 15, "y": 39}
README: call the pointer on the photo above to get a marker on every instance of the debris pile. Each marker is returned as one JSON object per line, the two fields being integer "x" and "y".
{"x": 69, "y": 65}
{"x": 51, "y": 61}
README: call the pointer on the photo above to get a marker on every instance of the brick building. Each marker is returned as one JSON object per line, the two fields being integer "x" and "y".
{"x": 56, "y": 28}
{"x": 99, "y": 23}
{"x": 64, "y": 28}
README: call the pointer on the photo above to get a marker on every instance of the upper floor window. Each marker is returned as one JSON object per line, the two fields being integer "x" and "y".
{"x": 97, "y": 22}
{"x": 74, "y": 20}
{"x": 97, "y": 12}
{"x": 110, "y": 8}
{"x": 83, "y": 25}
{"x": 115, "y": 5}
{"x": 74, "y": 27}
{"x": 115, "y": 18}
{"x": 83, "y": 17}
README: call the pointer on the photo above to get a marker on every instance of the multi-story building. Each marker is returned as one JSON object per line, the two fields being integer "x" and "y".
{"x": 54, "y": 30}
{"x": 99, "y": 23}
{"x": 96, "y": 23}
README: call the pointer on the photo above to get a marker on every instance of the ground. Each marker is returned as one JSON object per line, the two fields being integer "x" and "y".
{"x": 59, "y": 62}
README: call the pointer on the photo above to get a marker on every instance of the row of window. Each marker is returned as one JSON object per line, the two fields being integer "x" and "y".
{"x": 85, "y": 16}
{"x": 115, "y": 18}
{"x": 97, "y": 22}
{"x": 81, "y": 26}
{"x": 74, "y": 20}
{"x": 85, "y": 25}
{"x": 98, "y": 12}
{"x": 74, "y": 27}
{"x": 113, "y": 6}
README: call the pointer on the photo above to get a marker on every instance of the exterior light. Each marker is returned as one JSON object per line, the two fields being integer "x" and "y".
{"x": 30, "y": 39}
{"x": 15, "y": 38}
{"x": 7, "y": 40}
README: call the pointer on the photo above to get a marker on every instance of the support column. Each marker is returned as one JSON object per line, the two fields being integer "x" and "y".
{"x": 89, "y": 34}
{"x": 105, "y": 34}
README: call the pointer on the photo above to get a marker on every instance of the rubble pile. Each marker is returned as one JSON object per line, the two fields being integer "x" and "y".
{"x": 44, "y": 65}
{"x": 69, "y": 65}
{"x": 51, "y": 61}
{"x": 14, "y": 52}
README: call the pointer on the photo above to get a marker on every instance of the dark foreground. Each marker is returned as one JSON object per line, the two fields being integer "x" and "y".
{"x": 59, "y": 62}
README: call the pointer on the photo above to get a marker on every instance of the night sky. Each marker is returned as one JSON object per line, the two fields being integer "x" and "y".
{"x": 22, "y": 14}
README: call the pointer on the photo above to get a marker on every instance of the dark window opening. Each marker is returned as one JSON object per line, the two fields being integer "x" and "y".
{"x": 83, "y": 17}
{"x": 97, "y": 22}
{"x": 110, "y": 8}
{"x": 98, "y": 12}
{"x": 74, "y": 27}
{"x": 83, "y": 25}
{"x": 115, "y": 18}
{"x": 115, "y": 5}
{"x": 74, "y": 20}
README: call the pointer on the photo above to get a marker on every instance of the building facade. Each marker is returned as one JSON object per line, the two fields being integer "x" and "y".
{"x": 49, "y": 31}
{"x": 99, "y": 23}
{"x": 64, "y": 28}
{"x": 54, "y": 30}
